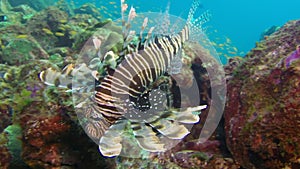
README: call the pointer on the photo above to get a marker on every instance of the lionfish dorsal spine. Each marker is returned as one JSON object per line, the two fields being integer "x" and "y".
{"x": 143, "y": 28}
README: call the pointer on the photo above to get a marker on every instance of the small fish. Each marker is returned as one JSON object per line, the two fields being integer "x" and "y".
{"x": 234, "y": 52}
{"x": 228, "y": 40}
{"x": 3, "y": 18}
{"x": 103, "y": 7}
{"x": 72, "y": 33}
{"x": 22, "y": 36}
{"x": 47, "y": 31}
{"x": 235, "y": 49}
{"x": 134, "y": 91}
{"x": 59, "y": 34}
{"x": 63, "y": 21}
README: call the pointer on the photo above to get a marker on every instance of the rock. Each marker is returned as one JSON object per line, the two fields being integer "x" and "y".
{"x": 263, "y": 109}
{"x": 20, "y": 51}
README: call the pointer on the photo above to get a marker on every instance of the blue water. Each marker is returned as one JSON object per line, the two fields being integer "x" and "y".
{"x": 241, "y": 21}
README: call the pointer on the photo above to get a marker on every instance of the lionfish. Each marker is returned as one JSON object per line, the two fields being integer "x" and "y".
{"x": 134, "y": 91}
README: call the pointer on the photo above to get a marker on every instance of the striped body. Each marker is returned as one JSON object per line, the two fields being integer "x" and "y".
{"x": 134, "y": 76}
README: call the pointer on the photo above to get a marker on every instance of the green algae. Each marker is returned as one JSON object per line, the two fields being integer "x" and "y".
{"x": 57, "y": 59}
{"x": 18, "y": 51}
{"x": 22, "y": 99}
{"x": 15, "y": 144}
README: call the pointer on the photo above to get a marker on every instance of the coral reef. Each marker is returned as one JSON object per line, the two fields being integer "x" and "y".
{"x": 39, "y": 128}
{"x": 31, "y": 35}
{"x": 262, "y": 113}
{"x": 20, "y": 51}
{"x": 44, "y": 122}
{"x": 37, "y": 123}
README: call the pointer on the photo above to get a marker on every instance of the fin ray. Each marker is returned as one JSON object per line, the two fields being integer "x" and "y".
{"x": 147, "y": 138}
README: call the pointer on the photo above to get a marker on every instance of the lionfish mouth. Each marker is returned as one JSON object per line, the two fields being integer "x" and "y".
{"x": 124, "y": 83}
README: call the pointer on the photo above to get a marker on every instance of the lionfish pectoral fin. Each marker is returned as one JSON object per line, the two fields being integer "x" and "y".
{"x": 146, "y": 138}
{"x": 189, "y": 115}
{"x": 169, "y": 128}
{"x": 169, "y": 123}
{"x": 110, "y": 143}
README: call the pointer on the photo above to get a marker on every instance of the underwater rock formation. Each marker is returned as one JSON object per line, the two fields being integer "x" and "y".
{"x": 263, "y": 109}
{"x": 20, "y": 51}
{"x": 46, "y": 120}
